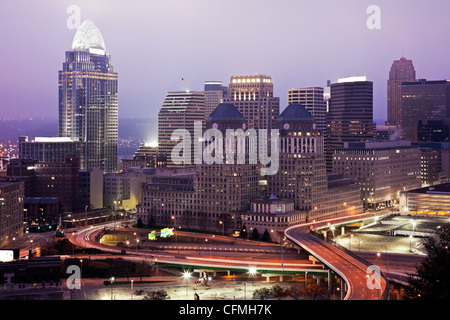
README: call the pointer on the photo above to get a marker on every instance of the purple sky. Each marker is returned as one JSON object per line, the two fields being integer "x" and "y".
{"x": 155, "y": 43}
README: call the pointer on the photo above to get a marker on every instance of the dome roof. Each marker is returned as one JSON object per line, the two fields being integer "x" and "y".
{"x": 88, "y": 36}
{"x": 226, "y": 111}
{"x": 294, "y": 112}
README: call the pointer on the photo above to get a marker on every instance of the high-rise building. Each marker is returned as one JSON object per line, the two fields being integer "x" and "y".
{"x": 401, "y": 71}
{"x": 350, "y": 116}
{"x": 423, "y": 100}
{"x": 88, "y": 99}
{"x": 48, "y": 149}
{"x": 302, "y": 175}
{"x": 11, "y": 211}
{"x": 215, "y": 92}
{"x": 180, "y": 110}
{"x": 313, "y": 100}
{"x": 253, "y": 97}
{"x": 381, "y": 169}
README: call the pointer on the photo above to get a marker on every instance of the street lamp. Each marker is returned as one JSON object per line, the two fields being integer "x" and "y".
{"x": 187, "y": 276}
{"x": 223, "y": 227}
{"x": 410, "y": 242}
{"x": 112, "y": 282}
{"x": 131, "y": 290}
{"x": 176, "y": 233}
{"x": 81, "y": 271}
{"x": 252, "y": 272}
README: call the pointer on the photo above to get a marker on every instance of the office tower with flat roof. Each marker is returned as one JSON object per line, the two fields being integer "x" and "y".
{"x": 215, "y": 93}
{"x": 350, "y": 117}
{"x": 423, "y": 100}
{"x": 401, "y": 71}
{"x": 180, "y": 110}
{"x": 313, "y": 100}
{"x": 381, "y": 169}
{"x": 253, "y": 97}
{"x": 11, "y": 211}
{"x": 48, "y": 149}
{"x": 88, "y": 99}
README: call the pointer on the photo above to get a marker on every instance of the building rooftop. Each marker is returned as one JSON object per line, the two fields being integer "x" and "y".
{"x": 443, "y": 189}
{"x": 88, "y": 36}
{"x": 294, "y": 112}
{"x": 226, "y": 111}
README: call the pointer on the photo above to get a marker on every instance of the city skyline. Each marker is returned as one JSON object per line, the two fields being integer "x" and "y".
{"x": 149, "y": 47}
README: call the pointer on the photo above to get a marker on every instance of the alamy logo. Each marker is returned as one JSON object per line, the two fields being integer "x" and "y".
{"x": 209, "y": 147}
{"x": 374, "y": 21}
{"x": 74, "y": 280}
{"x": 74, "y": 20}
{"x": 373, "y": 277}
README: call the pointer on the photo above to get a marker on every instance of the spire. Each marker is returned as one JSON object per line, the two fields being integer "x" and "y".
{"x": 88, "y": 36}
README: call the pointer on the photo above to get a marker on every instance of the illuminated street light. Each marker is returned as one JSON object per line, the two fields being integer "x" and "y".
{"x": 187, "y": 276}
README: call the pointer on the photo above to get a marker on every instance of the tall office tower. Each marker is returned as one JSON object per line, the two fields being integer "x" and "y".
{"x": 313, "y": 100}
{"x": 423, "y": 100}
{"x": 302, "y": 174}
{"x": 327, "y": 94}
{"x": 224, "y": 190}
{"x": 215, "y": 92}
{"x": 350, "y": 117}
{"x": 253, "y": 97}
{"x": 401, "y": 71}
{"x": 88, "y": 99}
{"x": 180, "y": 110}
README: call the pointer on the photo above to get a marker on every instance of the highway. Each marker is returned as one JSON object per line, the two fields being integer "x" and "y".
{"x": 352, "y": 270}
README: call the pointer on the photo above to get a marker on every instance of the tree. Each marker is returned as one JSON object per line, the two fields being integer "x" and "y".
{"x": 243, "y": 233}
{"x": 262, "y": 294}
{"x": 266, "y": 236}
{"x": 157, "y": 295}
{"x": 151, "y": 222}
{"x": 255, "y": 234}
{"x": 432, "y": 279}
{"x": 140, "y": 224}
{"x": 278, "y": 292}
{"x": 297, "y": 291}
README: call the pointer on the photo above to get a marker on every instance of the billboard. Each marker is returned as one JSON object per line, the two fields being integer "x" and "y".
{"x": 7, "y": 255}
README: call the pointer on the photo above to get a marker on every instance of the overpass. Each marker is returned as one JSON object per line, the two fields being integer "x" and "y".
{"x": 351, "y": 268}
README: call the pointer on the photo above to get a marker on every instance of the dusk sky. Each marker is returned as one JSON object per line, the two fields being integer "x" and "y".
{"x": 154, "y": 44}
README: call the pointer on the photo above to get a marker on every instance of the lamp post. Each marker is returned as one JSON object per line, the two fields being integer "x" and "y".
{"x": 131, "y": 290}
{"x": 223, "y": 227}
{"x": 187, "y": 276}
{"x": 112, "y": 282}
{"x": 176, "y": 233}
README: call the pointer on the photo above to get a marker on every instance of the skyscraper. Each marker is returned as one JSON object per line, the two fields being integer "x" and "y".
{"x": 180, "y": 110}
{"x": 313, "y": 100}
{"x": 350, "y": 117}
{"x": 423, "y": 100}
{"x": 253, "y": 97}
{"x": 88, "y": 99}
{"x": 401, "y": 71}
{"x": 215, "y": 92}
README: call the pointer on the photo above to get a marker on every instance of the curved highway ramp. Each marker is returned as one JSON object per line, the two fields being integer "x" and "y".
{"x": 352, "y": 269}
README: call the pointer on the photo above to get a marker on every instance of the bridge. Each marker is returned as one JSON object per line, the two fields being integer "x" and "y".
{"x": 351, "y": 268}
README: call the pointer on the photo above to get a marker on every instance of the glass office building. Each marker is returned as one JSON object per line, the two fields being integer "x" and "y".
{"x": 88, "y": 99}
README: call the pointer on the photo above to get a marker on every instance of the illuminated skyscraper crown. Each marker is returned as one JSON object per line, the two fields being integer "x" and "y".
{"x": 88, "y": 36}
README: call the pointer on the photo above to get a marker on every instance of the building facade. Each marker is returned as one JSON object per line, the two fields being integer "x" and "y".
{"x": 48, "y": 149}
{"x": 314, "y": 101}
{"x": 350, "y": 116}
{"x": 180, "y": 110}
{"x": 88, "y": 99}
{"x": 427, "y": 201}
{"x": 401, "y": 71}
{"x": 215, "y": 93}
{"x": 423, "y": 100}
{"x": 11, "y": 211}
{"x": 253, "y": 97}
{"x": 381, "y": 169}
